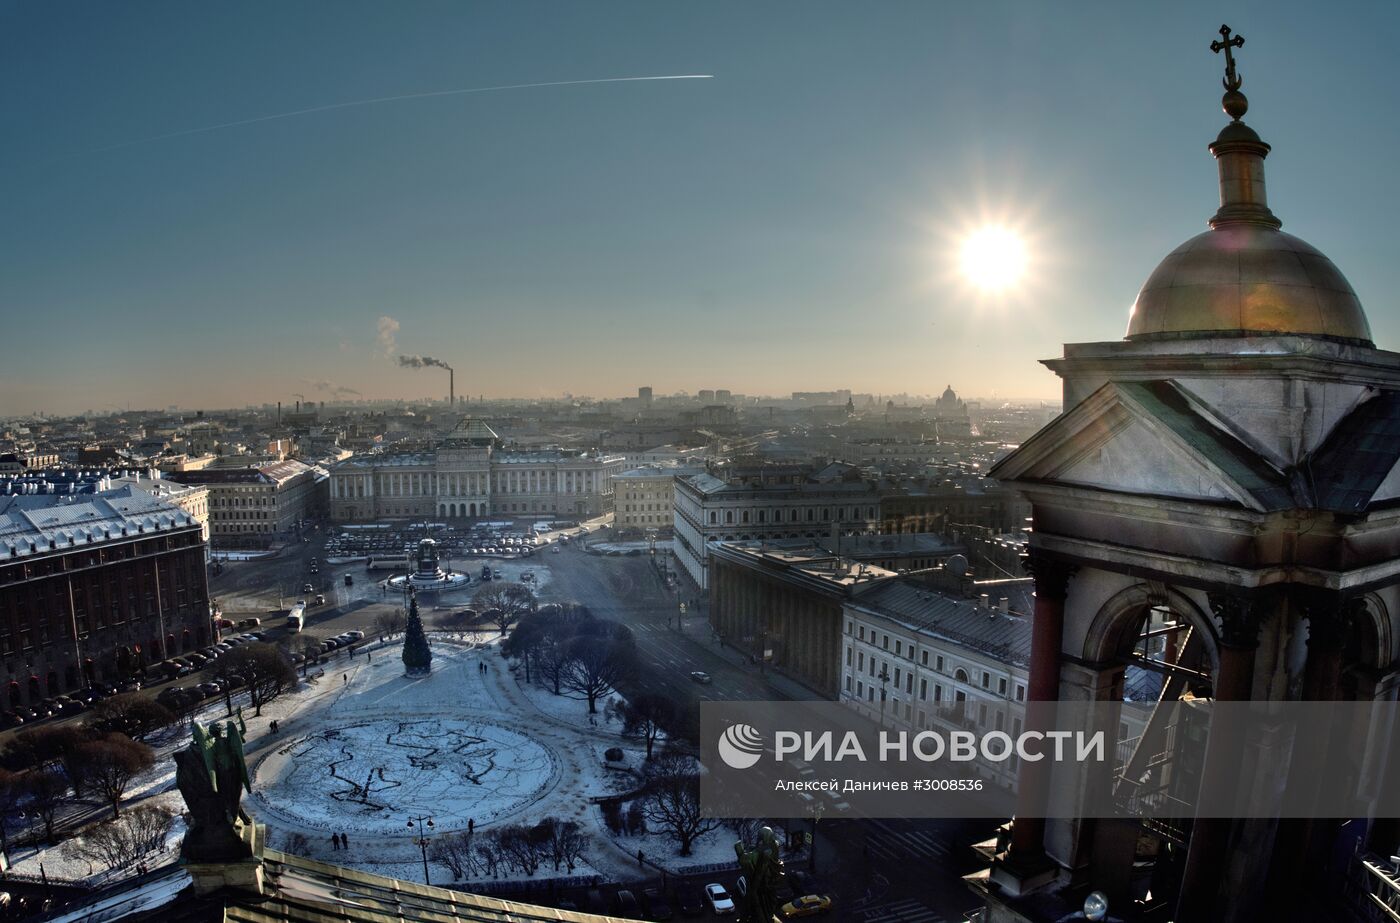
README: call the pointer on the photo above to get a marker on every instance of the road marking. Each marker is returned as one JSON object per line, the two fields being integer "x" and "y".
{"x": 906, "y": 911}
{"x": 893, "y": 845}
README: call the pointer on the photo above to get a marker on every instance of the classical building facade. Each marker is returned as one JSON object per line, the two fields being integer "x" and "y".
{"x": 918, "y": 660}
{"x": 769, "y": 502}
{"x": 645, "y": 497}
{"x": 791, "y": 501}
{"x": 782, "y": 603}
{"x": 469, "y": 475}
{"x": 95, "y": 587}
{"x": 254, "y": 506}
{"x": 1224, "y": 479}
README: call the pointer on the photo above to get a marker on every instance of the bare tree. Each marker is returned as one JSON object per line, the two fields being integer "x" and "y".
{"x": 563, "y": 841}
{"x": 524, "y": 847}
{"x": 45, "y": 793}
{"x": 648, "y": 716}
{"x": 42, "y": 747}
{"x": 266, "y": 670}
{"x": 131, "y": 713}
{"x": 122, "y": 842}
{"x": 504, "y": 604}
{"x": 310, "y": 651}
{"x": 11, "y": 791}
{"x": 388, "y": 624}
{"x": 488, "y": 851}
{"x": 107, "y": 766}
{"x": 602, "y": 655}
{"x": 671, "y": 801}
{"x": 455, "y": 851}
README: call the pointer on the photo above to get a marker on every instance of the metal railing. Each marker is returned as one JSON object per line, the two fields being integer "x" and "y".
{"x": 1382, "y": 889}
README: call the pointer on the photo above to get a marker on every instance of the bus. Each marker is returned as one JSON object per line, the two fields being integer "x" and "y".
{"x": 297, "y": 619}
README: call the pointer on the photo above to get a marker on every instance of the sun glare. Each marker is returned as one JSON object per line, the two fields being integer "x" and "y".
{"x": 993, "y": 258}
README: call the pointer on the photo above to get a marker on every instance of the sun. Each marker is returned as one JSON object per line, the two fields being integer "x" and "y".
{"x": 993, "y": 258}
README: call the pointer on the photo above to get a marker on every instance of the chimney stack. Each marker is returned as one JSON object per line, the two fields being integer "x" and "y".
{"x": 984, "y": 601}
{"x": 1004, "y": 604}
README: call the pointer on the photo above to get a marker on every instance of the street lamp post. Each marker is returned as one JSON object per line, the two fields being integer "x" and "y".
{"x": 884, "y": 678}
{"x": 424, "y": 824}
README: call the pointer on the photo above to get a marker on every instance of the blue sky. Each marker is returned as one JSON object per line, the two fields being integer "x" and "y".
{"x": 787, "y": 225}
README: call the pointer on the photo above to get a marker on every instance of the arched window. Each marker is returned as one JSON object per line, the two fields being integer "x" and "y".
{"x": 960, "y": 675}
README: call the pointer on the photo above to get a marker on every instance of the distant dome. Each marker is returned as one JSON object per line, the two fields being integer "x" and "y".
{"x": 1242, "y": 278}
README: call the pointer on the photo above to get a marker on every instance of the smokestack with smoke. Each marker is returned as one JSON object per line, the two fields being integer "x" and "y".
{"x": 423, "y": 362}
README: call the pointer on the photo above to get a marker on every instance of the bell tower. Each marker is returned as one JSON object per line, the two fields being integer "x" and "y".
{"x": 1214, "y": 520}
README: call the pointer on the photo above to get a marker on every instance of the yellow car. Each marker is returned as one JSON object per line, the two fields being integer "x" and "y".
{"x": 808, "y": 906}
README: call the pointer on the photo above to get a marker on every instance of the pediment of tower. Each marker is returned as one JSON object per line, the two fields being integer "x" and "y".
{"x": 1146, "y": 438}
{"x": 1156, "y": 438}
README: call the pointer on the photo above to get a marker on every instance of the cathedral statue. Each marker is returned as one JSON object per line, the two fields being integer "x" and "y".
{"x": 763, "y": 874}
{"x": 212, "y": 774}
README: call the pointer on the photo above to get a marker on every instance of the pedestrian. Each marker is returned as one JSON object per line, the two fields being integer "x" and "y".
{"x": 344, "y": 841}
{"x": 335, "y": 841}
{"x": 471, "y": 825}
{"x": 345, "y": 677}
{"x": 367, "y": 658}
{"x": 273, "y": 725}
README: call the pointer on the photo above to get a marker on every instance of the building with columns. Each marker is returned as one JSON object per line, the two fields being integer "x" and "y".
{"x": 1226, "y": 477}
{"x": 469, "y": 475}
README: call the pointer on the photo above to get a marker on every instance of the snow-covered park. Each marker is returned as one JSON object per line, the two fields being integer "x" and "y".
{"x": 362, "y": 749}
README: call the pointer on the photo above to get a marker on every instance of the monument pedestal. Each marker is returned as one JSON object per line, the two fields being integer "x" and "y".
{"x": 245, "y": 874}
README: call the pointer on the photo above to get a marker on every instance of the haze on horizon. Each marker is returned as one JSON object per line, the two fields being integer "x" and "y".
{"x": 791, "y": 224}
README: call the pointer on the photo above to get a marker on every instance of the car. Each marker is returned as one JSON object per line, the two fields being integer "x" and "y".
{"x": 356, "y": 635}
{"x": 131, "y": 685}
{"x": 307, "y": 588}
{"x": 349, "y": 580}
{"x": 225, "y": 623}
{"x": 555, "y": 549}
{"x": 235, "y": 680}
{"x": 718, "y": 898}
{"x": 656, "y": 906}
{"x": 627, "y": 905}
{"x": 806, "y": 906}
{"x": 210, "y": 689}
{"x": 26, "y": 714}
{"x": 9, "y": 720}
{"x": 701, "y": 677}
{"x": 313, "y": 562}
{"x": 250, "y": 623}
{"x": 320, "y": 599}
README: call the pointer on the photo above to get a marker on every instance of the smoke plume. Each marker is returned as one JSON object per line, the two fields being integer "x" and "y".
{"x": 422, "y": 362}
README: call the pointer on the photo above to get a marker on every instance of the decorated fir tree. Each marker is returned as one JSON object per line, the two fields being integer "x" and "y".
{"x": 417, "y": 656}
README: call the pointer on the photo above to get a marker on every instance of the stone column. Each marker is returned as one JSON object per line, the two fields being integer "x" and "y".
{"x": 1240, "y": 615}
{"x": 1026, "y": 865}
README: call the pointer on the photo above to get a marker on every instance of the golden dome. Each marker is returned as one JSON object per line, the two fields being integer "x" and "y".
{"x": 1245, "y": 278}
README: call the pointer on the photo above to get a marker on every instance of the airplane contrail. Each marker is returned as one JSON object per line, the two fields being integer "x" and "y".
{"x": 393, "y": 99}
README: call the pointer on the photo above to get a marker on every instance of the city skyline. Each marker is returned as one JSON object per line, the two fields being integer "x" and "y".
{"x": 790, "y": 224}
